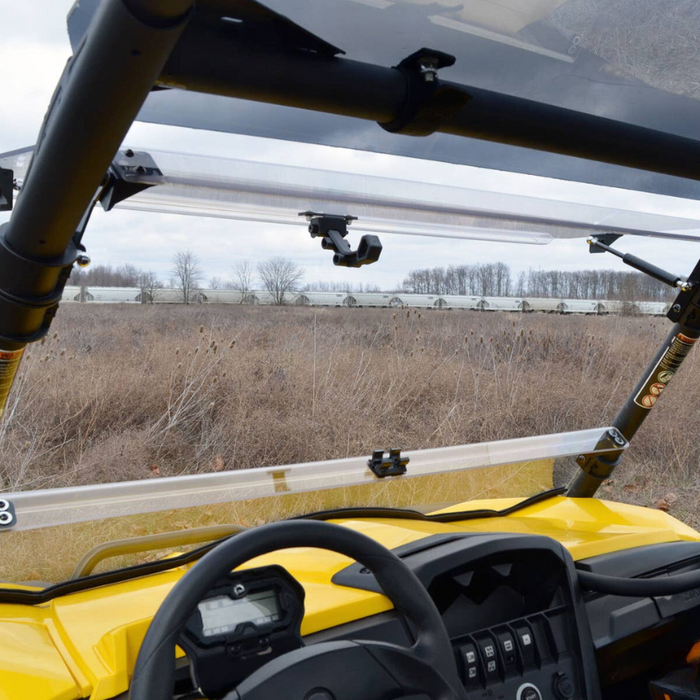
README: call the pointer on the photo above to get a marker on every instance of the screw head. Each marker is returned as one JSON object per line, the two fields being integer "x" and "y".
{"x": 129, "y": 153}
{"x": 581, "y": 459}
{"x": 676, "y": 308}
{"x": 239, "y": 589}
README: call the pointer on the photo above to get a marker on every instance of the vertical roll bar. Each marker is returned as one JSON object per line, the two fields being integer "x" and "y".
{"x": 100, "y": 93}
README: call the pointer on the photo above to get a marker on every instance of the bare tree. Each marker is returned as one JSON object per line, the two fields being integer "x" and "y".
{"x": 187, "y": 274}
{"x": 150, "y": 284}
{"x": 280, "y": 276}
{"x": 242, "y": 278}
{"x": 215, "y": 283}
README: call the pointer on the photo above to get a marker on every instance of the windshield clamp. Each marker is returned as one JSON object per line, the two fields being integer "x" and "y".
{"x": 428, "y": 103}
{"x": 332, "y": 229}
{"x": 607, "y": 455}
{"x": 8, "y": 517}
{"x": 394, "y": 466}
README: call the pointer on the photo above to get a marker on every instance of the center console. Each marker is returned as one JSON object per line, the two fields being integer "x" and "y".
{"x": 511, "y": 606}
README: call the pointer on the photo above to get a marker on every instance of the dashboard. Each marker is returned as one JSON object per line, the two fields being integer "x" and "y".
{"x": 510, "y": 603}
{"x": 512, "y": 609}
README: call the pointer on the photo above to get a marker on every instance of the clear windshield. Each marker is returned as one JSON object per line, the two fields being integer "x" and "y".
{"x": 158, "y": 404}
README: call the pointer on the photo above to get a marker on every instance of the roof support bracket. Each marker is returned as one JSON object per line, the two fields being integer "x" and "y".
{"x": 429, "y": 103}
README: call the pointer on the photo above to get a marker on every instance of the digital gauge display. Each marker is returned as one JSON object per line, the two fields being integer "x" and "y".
{"x": 221, "y": 614}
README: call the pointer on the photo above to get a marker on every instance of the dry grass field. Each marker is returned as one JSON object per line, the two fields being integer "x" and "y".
{"x": 134, "y": 392}
{"x": 128, "y": 392}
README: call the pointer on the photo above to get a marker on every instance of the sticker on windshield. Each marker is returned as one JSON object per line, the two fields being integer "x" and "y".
{"x": 664, "y": 371}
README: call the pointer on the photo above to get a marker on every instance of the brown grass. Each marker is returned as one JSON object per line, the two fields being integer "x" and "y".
{"x": 130, "y": 392}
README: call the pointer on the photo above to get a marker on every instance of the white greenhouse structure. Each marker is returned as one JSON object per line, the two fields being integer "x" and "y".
{"x": 416, "y": 301}
{"x": 321, "y": 299}
{"x": 500, "y": 304}
{"x": 222, "y": 296}
{"x": 579, "y": 306}
{"x": 368, "y": 299}
{"x": 113, "y": 295}
{"x": 447, "y": 302}
{"x": 549, "y": 306}
{"x": 453, "y": 301}
{"x": 71, "y": 293}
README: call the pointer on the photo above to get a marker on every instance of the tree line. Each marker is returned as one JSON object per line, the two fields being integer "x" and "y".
{"x": 281, "y": 277}
{"x": 496, "y": 280}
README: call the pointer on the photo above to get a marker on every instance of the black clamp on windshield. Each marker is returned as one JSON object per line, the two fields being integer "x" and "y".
{"x": 8, "y": 517}
{"x": 126, "y": 177}
{"x": 429, "y": 103}
{"x": 6, "y": 187}
{"x": 394, "y": 466}
{"x": 608, "y": 453}
{"x": 332, "y": 229}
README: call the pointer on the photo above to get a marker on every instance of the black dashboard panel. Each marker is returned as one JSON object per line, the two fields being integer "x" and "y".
{"x": 637, "y": 639}
{"x": 512, "y": 608}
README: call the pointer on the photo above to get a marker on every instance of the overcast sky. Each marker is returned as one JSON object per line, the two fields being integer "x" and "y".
{"x": 33, "y": 49}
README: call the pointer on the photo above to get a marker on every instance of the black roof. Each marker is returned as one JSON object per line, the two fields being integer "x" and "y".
{"x": 630, "y": 61}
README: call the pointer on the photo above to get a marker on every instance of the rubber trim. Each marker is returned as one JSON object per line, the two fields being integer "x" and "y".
{"x": 409, "y": 514}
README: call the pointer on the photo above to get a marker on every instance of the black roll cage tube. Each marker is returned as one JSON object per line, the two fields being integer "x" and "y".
{"x": 134, "y": 46}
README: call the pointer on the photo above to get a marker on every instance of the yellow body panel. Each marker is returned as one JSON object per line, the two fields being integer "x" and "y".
{"x": 85, "y": 644}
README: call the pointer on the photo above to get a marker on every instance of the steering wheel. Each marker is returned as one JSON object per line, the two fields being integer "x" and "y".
{"x": 340, "y": 670}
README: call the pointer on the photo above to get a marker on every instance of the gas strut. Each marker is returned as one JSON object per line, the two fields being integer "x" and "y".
{"x": 685, "y": 314}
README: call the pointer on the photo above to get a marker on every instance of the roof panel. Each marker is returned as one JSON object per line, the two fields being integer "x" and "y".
{"x": 635, "y": 61}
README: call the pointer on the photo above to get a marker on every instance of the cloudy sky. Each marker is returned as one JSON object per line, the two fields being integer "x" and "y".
{"x": 33, "y": 49}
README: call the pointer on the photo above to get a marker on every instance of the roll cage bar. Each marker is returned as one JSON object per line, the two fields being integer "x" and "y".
{"x": 134, "y": 46}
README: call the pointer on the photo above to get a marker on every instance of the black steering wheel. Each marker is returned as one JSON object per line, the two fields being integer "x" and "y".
{"x": 341, "y": 670}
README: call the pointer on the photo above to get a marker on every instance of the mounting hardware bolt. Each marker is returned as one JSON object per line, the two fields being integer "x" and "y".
{"x": 676, "y": 308}
{"x": 581, "y": 459}
{"x": 82, "y": 261}
{"x": 429, "y": 68}
{"x": 129, "y": 153}
{"x": 617, "y": 438}
{"x": 239, "y": 590}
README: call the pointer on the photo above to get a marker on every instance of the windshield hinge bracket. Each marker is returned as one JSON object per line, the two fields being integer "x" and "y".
{"x": 607, "y": 455}
{"x": 381, "y": 467}
{"x": 125, "y": 177}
